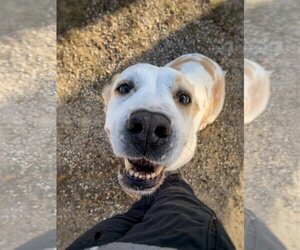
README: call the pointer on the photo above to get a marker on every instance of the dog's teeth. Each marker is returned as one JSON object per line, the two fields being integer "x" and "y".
{"x": 131, "y": 172}
{"x": 127, "y": 165}
{"x": 158, "y": 170}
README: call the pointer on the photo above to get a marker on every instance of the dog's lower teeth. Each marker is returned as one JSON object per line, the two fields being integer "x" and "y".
{"x": 131, "y": 172}
{"x": 141, "y": 175}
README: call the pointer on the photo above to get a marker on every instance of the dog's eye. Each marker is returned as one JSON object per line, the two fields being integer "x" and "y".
{"x": 124, "y": 88}
{"x": 184, "y": 99}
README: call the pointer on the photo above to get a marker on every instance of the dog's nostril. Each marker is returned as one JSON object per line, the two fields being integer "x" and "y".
{"x": 161, "y": 132}
{"x": 136, "y": 127}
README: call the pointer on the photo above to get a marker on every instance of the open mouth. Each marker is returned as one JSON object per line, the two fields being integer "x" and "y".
{"x": 142, "y": 174}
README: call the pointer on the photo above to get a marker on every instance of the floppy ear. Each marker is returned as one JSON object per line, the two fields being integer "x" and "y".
{"x": 106, "y": 94}
{"x": 107, "y": 91}
{"x": 180, "y": 61}
{"x": 193, "y": 64}
{"x": 215, "y": 101}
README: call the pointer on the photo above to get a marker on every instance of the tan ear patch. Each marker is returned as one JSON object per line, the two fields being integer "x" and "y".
{"x": 209, "y": 67}
{"x": 214, "y": 102}
{"x": 217, "y": 92}
{"x": 176, "y": 64}
{"x": 205, "y": 62}
{"x": 107, "y": 92}
{"x": 214, "y": 96}
{"x": 206, "y": 114}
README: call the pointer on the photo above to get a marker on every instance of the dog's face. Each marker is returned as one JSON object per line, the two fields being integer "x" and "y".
{"x": 150, "y": 123}
{"x": 153, "y": 115}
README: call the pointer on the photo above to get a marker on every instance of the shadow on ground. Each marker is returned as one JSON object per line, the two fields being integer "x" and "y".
{"x": 70, "y": 15}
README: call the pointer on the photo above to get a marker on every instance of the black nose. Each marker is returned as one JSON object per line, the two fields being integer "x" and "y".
{"x": 148, "y": 127}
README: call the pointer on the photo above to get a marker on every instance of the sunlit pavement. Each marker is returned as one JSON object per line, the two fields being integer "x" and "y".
{"x": 272, "y": 173}
{"x": 28, "y": 115}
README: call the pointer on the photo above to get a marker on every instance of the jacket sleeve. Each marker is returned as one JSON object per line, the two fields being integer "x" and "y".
{"x": 113, "y": 228}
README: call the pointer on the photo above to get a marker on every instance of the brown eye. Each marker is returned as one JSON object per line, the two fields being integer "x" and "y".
{"x": 124, "y": 88}
{"x": 184, "y": 99}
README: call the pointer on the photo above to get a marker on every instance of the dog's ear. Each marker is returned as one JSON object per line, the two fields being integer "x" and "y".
{"x": 107, "y": 91}
{"x": 214, "y": 102}
{"x": 213, "y": 96}
{"x": 180, "y": 61}
{"x": 106, "y": 94}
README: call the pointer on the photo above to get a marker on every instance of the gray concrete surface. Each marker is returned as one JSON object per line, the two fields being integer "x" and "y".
{"x": 272, "y": 170}
{"x": 28, "y": 120}
{"x": 112, "y": 37}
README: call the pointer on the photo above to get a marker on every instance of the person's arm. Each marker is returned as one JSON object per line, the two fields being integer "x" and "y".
{"x": 113, "y": 228}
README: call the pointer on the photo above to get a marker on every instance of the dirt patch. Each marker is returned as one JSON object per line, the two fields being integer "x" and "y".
{"x": 111, "y": 39}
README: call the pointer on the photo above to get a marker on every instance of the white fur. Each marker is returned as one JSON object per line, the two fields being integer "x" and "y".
{"x": 153, "y": 92}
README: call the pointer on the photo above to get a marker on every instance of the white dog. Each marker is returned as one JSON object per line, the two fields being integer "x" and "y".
{"x": 256, "y": 90}
{"x": 153, "y": 115}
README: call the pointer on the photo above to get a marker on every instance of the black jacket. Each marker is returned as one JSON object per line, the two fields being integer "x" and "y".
{"x": 172, "y": 217}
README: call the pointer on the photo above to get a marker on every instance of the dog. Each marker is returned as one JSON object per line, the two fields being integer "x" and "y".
{"x": 256, "y": 90}
{"x": 153, "y": 115}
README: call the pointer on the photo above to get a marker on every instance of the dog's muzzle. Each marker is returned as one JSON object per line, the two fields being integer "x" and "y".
{"x": 148, "y": 140}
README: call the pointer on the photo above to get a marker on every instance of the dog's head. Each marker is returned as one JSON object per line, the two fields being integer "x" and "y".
{"x": 152, "y": 117}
